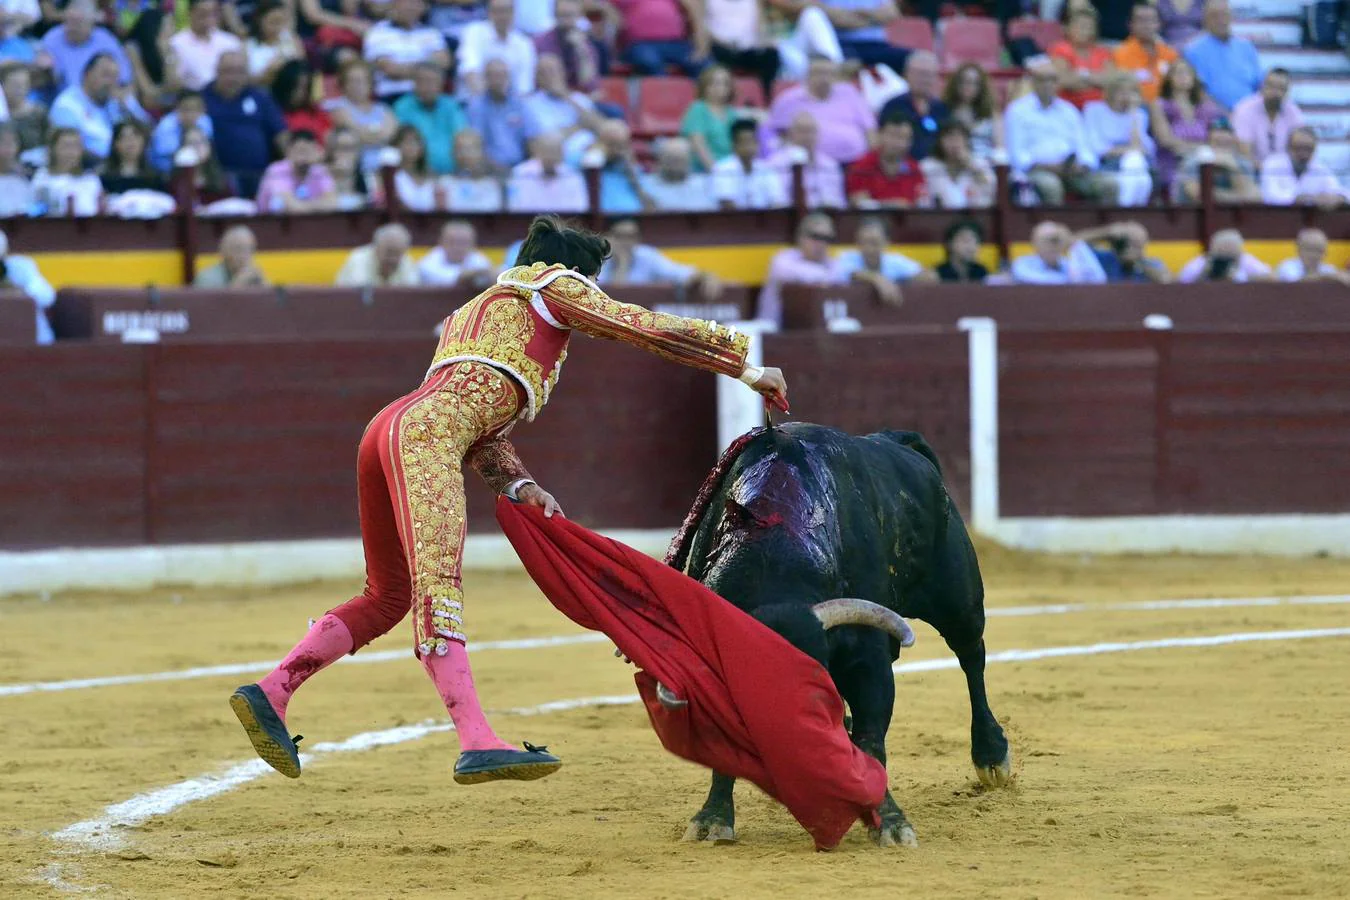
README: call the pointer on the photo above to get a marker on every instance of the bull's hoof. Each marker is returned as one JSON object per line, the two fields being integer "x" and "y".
{"x": 997, "y": 775}
{"x": 894, "y": 834}
{"x": 710, "y": 831}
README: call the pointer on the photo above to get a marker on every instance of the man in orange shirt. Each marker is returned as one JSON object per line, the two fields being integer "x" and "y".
{"x": 1142, "y": 54}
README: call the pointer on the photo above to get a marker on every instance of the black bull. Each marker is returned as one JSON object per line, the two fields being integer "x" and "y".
{"x": 806, "y": 514}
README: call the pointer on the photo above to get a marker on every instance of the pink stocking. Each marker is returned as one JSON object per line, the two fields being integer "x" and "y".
{"x": 327, "y": 641}
{"x": 454, "y": 681}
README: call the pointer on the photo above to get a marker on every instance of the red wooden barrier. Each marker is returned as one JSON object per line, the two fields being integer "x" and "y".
{"x": 18, "y": 318}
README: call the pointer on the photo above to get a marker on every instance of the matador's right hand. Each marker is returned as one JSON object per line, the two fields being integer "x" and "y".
{"x": 769, "y": 382}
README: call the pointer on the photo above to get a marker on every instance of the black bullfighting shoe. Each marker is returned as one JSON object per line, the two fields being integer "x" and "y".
{"x": 478, "y": 766}
{"x": 266, "y": 730}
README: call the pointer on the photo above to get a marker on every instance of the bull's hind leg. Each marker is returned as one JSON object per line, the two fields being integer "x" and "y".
{"x": 861, "y": 665}
{"x": 989, "y": 748}
{"x": 716, "y": 821}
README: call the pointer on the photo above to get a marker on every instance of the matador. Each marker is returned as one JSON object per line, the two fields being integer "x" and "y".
{"x": 497, "y": 362}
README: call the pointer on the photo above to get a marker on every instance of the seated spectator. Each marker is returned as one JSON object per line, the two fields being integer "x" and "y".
{"x": 28, "y": 118}
{"x": 1228, "y": 65}
{"x": 1046, "y": 142}
{"x": 1227, "y": 260}
{"x": 838, "y": 107}
{"x": 889, "y": 176}
{"x": 209, "y": 181}
{"x": 168, "y": 134}
{"x": 707, "y": 121}
{"x": 496, "y": 40}
{"x": 433, "y": 113}
{"x": 1122, "y": 250}
{"x": 473, "y": 187}
{"x": 127, "y": 168}
{"x": 64, "y": 187}
{"x": 861, "y": 25}
{"x": 871, "y": 264}
{"x": 806, "y": 263}
{"x": 1295, "y": 178}
{"x": 246, "y": 125}
{"x": 1265, "y": 120}
{"x": 336, "y": 30}
{"x": 546, "y": 182}
{"x": 1053, "y": 262}
{"x": 237, "y": 267}
{"x": 414, "y": 185}
{"x": 68, "y": 48}
{"x": 633, "y": 262}
{"x": 344, "y": 165}
{"x": 1234, "y": 174}
{"x": 553, "y": 108}
{"x": 1180, "y": 118}
{"x": 740, "y": 41}
{"x": 658, "y": 33}
{"x": 293, "y": 91}
{"x": 673, "y": 187}
{"x": 21, "y": 274}
{"x": 300, "y": 183}
{"x": 962, "y": 265}
{"x": 1311, "y": 262}
{"x": 272, "y": 42}
{"x": 956, "y": 178}
{"x": 796, "y": 32}
{"x": 1143, "y": 56}
{"x": 1081, "y": 63}
{"x": 384, "y": 262}
{"x": 498, "y": 115}
{"x": 18, "y": 17}
{"x": 1181, "y": 20}
{"x": 921, "y": 104}
{"x": 1116, "y": 132}
{"x": 16, "y": 192}
{"x": 743, "y": 180}
{"x": 822, "y": 177}
{"x": 358, "y": 110}
{"x": 580, "y": 53}
{"x": 155, "y": 70}
{"x": 621, "y": 190}
{"x": 96, "y": 105}
{"x": 456, "y": 260}
{"x": 395, "y": 46}
{"x": 200, "y": 46}
{"x": 969, "y": 98}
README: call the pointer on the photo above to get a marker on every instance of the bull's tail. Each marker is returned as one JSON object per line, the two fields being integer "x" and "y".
{"x": 914, "y": 441}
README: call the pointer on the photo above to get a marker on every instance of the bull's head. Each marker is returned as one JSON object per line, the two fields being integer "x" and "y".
{"x": 805, "y": 627}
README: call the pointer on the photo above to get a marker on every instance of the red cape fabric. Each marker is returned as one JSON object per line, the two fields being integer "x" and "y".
{"x": 759, "y": 708}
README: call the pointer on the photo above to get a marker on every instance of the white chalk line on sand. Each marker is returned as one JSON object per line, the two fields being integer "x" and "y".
{"x": 381, "y": 656}
{"x": 101, "y": 832}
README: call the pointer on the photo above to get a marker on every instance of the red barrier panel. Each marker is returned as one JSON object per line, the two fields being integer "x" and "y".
{"x": 18, "y": 318}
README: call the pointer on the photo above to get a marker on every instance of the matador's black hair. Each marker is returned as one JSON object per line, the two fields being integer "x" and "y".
{"x": 551, "y": 240}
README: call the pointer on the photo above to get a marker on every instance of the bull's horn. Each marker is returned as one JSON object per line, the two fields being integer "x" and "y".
{"x": 851, "y": 611}
{"x": 668, "y": 698}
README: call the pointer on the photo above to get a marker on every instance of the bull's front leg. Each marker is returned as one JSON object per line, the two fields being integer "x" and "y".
{"x": 861, "y": 667}
{"x": 716, "y": 821}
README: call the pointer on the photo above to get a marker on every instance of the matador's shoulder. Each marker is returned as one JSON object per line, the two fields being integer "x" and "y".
{"x": 534, "y": 276}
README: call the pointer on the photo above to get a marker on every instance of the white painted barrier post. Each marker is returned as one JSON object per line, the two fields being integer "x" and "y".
{"x": 983, "y": 337}
{"x": 740, "y": 409}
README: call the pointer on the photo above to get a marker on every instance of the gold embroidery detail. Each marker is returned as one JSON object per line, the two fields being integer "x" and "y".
{"x": 496, "y": 326}
{"x": 433, "y": 435}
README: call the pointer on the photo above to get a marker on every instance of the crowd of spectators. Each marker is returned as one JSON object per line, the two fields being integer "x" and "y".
{"x": 501, "y": 105}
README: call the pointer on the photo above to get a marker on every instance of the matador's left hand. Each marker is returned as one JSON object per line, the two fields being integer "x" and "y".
{"x": 534, "y": 495}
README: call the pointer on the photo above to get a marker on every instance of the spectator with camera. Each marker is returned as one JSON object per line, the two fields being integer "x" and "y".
{"x": 21, "y": 273}
{"x": 1122, "y": 250}
{"x": 1226, "y": 260}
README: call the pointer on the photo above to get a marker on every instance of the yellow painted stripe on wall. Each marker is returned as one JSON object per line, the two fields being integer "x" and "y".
{"x": 742, "y": 263}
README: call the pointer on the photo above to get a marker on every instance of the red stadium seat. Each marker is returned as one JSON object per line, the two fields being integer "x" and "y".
{"x": 615, "y": 90}
{"x": 749, "y": 92}
{"x": 910, "y": 32}
{"x": 971, "y": 40}
{"x": 661, "y": 102}
{"x": 1045, "y": 33}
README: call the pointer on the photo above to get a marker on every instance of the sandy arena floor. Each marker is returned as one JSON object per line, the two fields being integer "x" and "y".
{"x": 1154, "y": 771}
